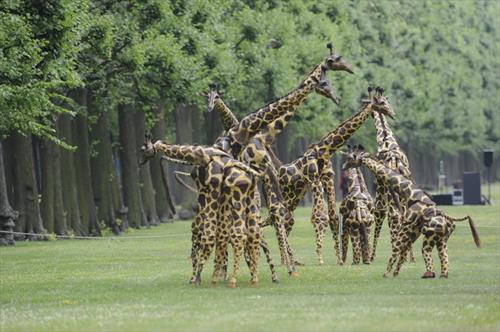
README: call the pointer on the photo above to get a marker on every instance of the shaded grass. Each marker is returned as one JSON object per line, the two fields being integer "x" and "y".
{"x": 131, "y": 285}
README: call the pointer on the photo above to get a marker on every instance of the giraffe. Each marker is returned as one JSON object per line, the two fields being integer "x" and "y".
{"x": 357, "y": 215}
{"x": 314, "y": 168}
{"x": 199, "y": 187}
{"x": 239, "y": 136}
{"x": 386, "y": 201}
{"x": 259, "y": 152}
{"x": 223, "y": 205}
{"x": 422, "y": 217}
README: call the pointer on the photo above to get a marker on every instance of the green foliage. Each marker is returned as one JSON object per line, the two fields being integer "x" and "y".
{"x": 39, "y": 43}
{"x": 436, "y": 59}
{"x": 141, "y": 284}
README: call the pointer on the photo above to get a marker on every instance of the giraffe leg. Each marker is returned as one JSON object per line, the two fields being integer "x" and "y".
{"x": 253, "y": 244}
{"x": 333, "y": 221}
{"x": 406, "y": 245}
{"x": 427, "y": 246}
{"x": 396, "y": 249}
{"x": 443, "y": 256}
{"x": 265, "y": 248}
{"x": 356, "y": 245}
{"x": 220, "y": 261}
{"x": 345, "y": 241}
{"x": 379, "y": 213}
{"x": 366, "y": 247}
{"x": 319, "y": 218}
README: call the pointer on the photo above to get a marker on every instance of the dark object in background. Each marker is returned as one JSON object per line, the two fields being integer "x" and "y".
{"x": 472, "y": 188}
{"x": 488, "y": 157}
{"x": 443, "y": 199}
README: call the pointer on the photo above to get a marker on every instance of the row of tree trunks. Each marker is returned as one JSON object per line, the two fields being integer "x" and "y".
{"x": 81, "y": 190}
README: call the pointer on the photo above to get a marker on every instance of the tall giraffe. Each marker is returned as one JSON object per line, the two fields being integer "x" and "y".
{"x": 259, "y": 153}
{"x": 314, "y": 168}
{"x": 240, "y": 135}
{"x": 357, "y": 216}
{"x": 223, "y": 201}
{"x": 388, "y": 202}
{"x": 422, "y": 217}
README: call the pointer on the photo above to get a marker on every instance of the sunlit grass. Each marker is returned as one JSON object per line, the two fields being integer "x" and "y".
{"x": 139, "y": 285}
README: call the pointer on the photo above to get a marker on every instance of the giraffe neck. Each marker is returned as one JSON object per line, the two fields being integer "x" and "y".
{"x": 385, "y": 136}
{"x": 388, "y": 147}
{"x": 403, "y": 186}
{"x": 227, "y": 117}
{"x": 186, "y": 154}
{"x": 336, "y": 138}
{"x": 253, "y": 123}
{"x": 354, "y": 186}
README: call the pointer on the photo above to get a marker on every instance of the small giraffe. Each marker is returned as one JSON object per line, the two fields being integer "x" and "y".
{"x": 422, "y": 217}
{"x": 314, "y": 168}
{"x": 357, "y": 215}
{"x": 388, "y": 202}
{"x": 223, "y": 206}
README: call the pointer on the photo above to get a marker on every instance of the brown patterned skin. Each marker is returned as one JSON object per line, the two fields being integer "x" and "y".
{"x": 387, "y": 202}
{"x": 357, "y": 217}
{"x": 314, "y": 170}
{"x": 223, "y": 203}
{"x": 422, "y": 217}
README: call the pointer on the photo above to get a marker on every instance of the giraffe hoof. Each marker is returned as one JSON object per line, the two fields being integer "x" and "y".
{"x": 298, "y": 263}
{"x": 254, "y": 283}
{"x": 275, "y": 280}
{"x": 428, "y": 275}
{"x": 367, "y": 262}
{"x": 294, "y": 274}
{"x": 231, "y": 284}
{"x": 386, "y": 275}
{"x": 321, "y": 263}
{"x": 444, "y": 276}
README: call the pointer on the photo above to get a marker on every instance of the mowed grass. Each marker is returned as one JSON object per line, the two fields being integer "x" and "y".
{"x": 140, "y": 285}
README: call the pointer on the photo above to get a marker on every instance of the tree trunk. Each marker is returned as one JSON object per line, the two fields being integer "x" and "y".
{"x": 82, "y": 166}
{"x": 60, "y": 224}
{"x": 69, "y": 183}
{"x": 48, "y": 176}
{"x": 104, "y": 176}
{"x": 146, "y": 185}
{"x": 130, "y": 167}
{"x": 282, "y": 144}
{"x": 25, "y": 190}
{"x": 184, "y": 135}
{"x": 162, "y": 191}
{"x": 8, "y": 216}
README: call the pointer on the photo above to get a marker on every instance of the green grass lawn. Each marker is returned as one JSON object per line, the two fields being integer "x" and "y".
{"x": 139, "y": 285}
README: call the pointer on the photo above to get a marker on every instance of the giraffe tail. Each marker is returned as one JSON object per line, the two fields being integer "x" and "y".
{"x": 182, "y": 182}
{"x": 473, "y": 228}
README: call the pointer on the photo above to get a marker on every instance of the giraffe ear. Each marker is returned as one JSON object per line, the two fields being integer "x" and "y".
{"x": 361, "y": 147}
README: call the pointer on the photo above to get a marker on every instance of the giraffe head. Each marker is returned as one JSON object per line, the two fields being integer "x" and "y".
{"x": 326, "y": 89}
{"x": 353, "y": 156}
{"x": 148, "y": 150}
{"x": 379, "y": 102}
{"x": 336, "y": 62}
{"x": 213, "y": 97}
